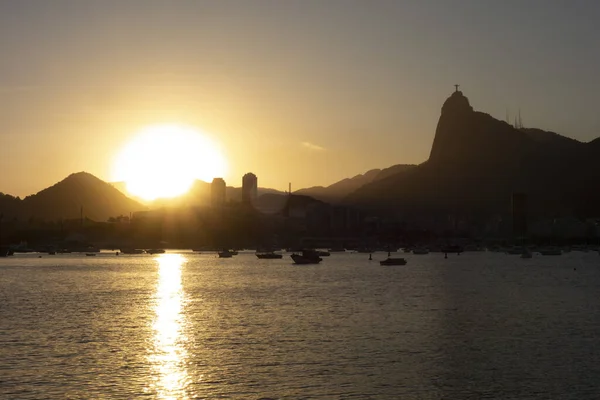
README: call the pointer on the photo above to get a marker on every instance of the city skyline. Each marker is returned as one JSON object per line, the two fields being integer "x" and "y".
{"x": 361, "y": 89}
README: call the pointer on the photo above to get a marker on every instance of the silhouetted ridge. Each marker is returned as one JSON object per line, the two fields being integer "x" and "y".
{"x": 65, "y": 200}
{"x": 337, "y": 191}
{"x": 477, "y": 162}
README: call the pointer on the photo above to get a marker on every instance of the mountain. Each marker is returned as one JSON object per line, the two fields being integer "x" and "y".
{"x": 65, "y": 200}
{"x": 477, "y": 162}
{"x": 336, "y": 192}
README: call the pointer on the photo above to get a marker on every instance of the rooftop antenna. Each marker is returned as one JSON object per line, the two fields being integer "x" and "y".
{"x": 507, "y": 117}
{"x": 290, "y": 188}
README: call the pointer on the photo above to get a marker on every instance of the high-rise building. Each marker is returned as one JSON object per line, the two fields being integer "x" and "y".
{"x": 217, "y": 192}
{"x": 519, "y": 214}
{"x": 249, "y": 187}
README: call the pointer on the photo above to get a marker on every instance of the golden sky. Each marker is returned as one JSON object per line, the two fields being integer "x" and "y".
{"x": 295, "y": 91}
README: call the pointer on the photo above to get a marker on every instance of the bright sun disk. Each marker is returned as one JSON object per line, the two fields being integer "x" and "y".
{"x": 163, "y": 161}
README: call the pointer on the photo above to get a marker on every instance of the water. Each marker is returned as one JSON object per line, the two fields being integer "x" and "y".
{"x": 178, "y": 326}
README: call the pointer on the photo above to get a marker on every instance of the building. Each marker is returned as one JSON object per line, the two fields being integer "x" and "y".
{"x": 519, "y": 214}
{"x": 217, "y": 192}
{"x": 249, "y": 187}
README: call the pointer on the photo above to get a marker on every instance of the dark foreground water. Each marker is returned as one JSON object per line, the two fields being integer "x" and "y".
{"x": 177, "y": 326}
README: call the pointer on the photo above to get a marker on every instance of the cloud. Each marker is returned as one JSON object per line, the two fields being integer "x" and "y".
{"x": 312, "y": 146}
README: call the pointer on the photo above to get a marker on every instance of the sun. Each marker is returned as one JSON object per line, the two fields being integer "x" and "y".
{"x": 163, "y": 161}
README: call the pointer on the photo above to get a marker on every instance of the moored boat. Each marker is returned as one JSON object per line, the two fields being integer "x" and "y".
{"x": 307, "y": 257}
{"x": 526, "y": 254}
{"x": 268, "y": 255}
{"x": 420, "y": 251}
{"x": 132, "y": 251}
{"x": 452, "y": 249}
{"x": 551, "y": 251}
{"x": 225, "y": 254}
{"x": 155, "y": 251}
{"x": 393, "y": 261}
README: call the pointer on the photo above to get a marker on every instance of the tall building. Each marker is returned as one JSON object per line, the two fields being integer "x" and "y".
{"x": 249, "y": 187}
{"x": 217, "y": 192}
{"x": 519, "y": 214}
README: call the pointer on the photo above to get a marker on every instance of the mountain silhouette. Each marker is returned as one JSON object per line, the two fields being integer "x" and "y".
{"x": 337, "y": 191}
{"x": 66, "y": 199}
{"x": 477, "y": 162}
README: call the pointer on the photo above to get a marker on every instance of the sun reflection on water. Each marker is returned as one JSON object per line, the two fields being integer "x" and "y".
{"x": 169, "y": 355}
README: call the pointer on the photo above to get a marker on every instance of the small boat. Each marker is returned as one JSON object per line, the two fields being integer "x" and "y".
{"x": 393, "y": 261}
{"x": 225, "y": 254}
{"x": 323, "y": 253}
{"x": 526, "y": 254}
{"x": 551, "y": 252}
{"x": 132, "y": 251}
{"x": 307, "y": 257}
{"x": 452, "y": 249}
{"x": 420, "y": 251}
{"x": 365, "y": 250}
{"x": 51, "y": 253}
{"x": 268, "y": 255}
{"x": 155, "y": 251}
{"x": 516, "y": 250}
{"x": 90, "y": 254}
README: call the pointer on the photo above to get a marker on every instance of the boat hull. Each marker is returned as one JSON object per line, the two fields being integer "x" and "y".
{"x": 303, "y": 260}
{"x": 268, "y": 256}
{"x": 393, "y": 261}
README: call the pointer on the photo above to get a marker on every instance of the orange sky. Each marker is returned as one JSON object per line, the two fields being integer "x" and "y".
{"x": 295, "y": 91}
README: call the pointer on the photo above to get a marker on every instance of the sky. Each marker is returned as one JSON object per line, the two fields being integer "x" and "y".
{"x": 300, "y": 91}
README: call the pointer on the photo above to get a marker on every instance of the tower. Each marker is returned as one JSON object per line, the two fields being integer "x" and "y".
{"x": 249, "y": 187}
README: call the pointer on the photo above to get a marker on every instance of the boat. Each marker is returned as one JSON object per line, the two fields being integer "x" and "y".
{"x": 132, "y": 251}
{"x": 90, "y": 254}
{"x": 234, "y": 252}
{"x": 393, "y": 261}
{"x": 526, "y": 254}
{"x": 551, "y": 252}
{"x": 268, "y": 255}
{"x": 365, "y": 250}
{"x": 452, "y": 249}
{"x": 515, "y": 250}
{"x": 155, "y": 251}
{"x": 225, "y": 254}
{"x": 322, "y": 253}
{"x": 307, "y": 257}
{"x": 421, "y": 251}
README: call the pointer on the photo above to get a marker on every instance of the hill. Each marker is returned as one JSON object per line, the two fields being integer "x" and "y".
{"x": 477, "y": 162}
{"x": 65, "y": 200}
{"x": 336, "y": 192}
